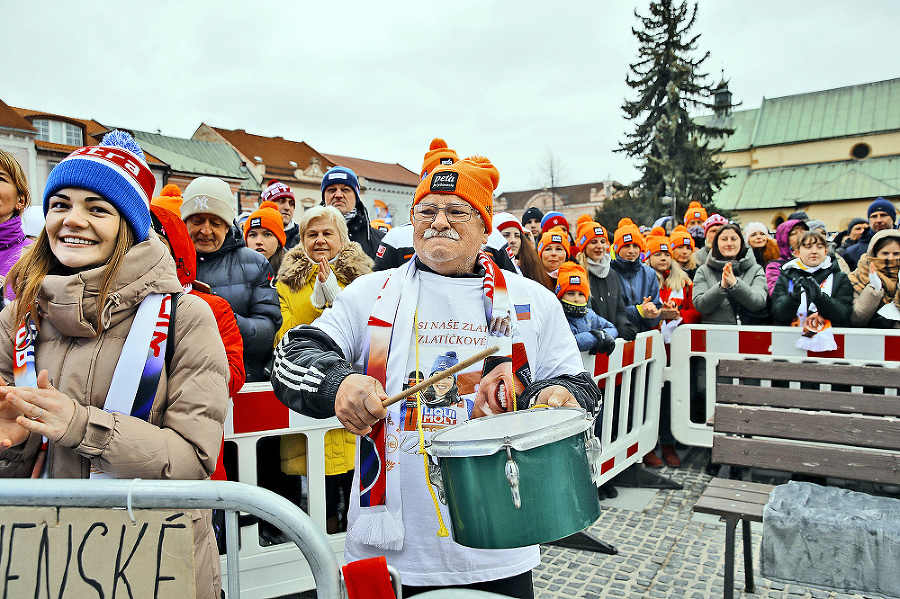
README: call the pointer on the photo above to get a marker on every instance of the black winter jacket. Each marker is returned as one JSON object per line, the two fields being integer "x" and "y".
{"x": 244, "y": 278}
{"x": 835, "y": 307}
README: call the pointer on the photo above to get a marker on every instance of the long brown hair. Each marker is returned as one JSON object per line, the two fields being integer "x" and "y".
{"x": 9, "y": 163}
{"x": 38, "y": 260}
{"x": 530, "y": 264}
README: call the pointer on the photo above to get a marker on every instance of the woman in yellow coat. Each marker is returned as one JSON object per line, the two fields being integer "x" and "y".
{"x": 311, "y": 275}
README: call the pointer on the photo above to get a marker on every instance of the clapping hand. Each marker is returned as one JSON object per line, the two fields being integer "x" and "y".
{"x": 324, "y": 270}
{"x": 728, "y": 278}
{"x": 649, "y": 309}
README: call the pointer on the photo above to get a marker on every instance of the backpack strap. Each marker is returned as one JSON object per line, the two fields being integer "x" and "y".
{"x": 170, "y": 345}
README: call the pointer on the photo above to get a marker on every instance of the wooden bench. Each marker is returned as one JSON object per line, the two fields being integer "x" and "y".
{"x": 841, "y": 434}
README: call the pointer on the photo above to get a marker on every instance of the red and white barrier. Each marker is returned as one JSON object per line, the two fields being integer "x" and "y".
{"x": 256, "y": 413}
{"x": 631, "y": 380}
{"x": 715, "y": 342}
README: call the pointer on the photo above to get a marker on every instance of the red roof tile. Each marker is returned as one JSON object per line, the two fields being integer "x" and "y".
{"x": 376, "y": 171}
{"x": 276, "y": 153}
{"x": 11, "y": 119}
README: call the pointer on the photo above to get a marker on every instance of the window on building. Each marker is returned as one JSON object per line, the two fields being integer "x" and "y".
{"x": 58, "y": 132}
{"x": 860, "y": 151}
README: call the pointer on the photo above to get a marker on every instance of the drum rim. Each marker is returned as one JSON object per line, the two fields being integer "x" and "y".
{"x": 577, "y": 424}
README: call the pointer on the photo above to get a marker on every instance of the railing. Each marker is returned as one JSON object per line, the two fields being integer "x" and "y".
{"x": 697, "y": 349}
{"x": 309, "y": 541}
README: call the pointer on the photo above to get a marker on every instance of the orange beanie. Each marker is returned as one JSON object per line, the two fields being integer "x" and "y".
{"x": 438, "y": 154}
{"x": 378, "y": 223}
{"x": 555, "y": 236}
{"x": 268, "y": 217}
{"x": 587, "y": 231}
{"x": 572, "y": 277}
{"x": 472, "y": 179}
{"x": 169, "y": 198}
{"x": 695, "y": 210}
{"x": 680, "y": 236}
{"x": 628, "y": 234}
{"x": 657, "y": 243}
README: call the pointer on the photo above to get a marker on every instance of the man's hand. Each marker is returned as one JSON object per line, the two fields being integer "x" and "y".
{"x": 358, "y": 403}
{"x": 557, "y": 396}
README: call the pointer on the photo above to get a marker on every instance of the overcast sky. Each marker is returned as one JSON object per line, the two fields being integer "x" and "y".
{"x": 513, "y": 80}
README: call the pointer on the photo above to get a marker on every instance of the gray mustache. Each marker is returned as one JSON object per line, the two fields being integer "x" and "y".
{"x": 449, "y": 233}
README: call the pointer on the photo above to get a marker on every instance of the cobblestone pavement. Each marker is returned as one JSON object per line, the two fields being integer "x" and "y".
{"x": 664, "y": 550}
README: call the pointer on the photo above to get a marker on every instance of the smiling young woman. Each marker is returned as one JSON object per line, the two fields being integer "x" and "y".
{"x": 90, "y": 281}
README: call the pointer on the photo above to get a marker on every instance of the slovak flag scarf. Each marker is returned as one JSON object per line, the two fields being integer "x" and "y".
{"x": 386, "y": 351}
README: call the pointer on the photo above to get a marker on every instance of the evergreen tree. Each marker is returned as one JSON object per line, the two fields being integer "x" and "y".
{"x": 674, "y": 152}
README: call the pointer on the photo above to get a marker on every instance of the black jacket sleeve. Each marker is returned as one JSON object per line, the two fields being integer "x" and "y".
{"x": 309, "y": 367}
{"x": 581, "y": 385}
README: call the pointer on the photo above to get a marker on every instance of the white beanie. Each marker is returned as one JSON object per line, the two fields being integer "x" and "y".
{"x": 208, "y": 195}
{"x": 753, "y": 227}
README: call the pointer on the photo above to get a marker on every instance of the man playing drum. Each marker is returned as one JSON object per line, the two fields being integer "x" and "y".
{"x": 449, "y": 297}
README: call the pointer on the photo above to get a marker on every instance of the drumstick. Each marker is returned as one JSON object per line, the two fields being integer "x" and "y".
{"x": 440, "y": 375}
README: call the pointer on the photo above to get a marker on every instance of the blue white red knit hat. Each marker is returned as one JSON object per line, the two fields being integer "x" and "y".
{"x": 553, "y": 219}
{"x": 444, "y": 361}
{"x": 340, "y": 174}
{"x": 116, "y": 170}
{"x": 276, "y": 189}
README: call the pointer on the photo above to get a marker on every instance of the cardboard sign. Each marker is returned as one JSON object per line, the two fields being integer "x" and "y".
{"x": 81, "y": 552}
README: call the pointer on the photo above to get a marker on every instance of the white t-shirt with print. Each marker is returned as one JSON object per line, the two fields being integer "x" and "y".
{"x": 451, "y": 317}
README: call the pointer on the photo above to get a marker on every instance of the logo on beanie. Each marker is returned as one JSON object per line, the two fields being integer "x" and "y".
{"x": 627, "y": 238}
{"x": 663, "y": 247}
{"x": 685, "y": 241}
{"x": 446, "y": 161}
{"x": 574, "y": 280}
{"x": 337, "y": 176}
{"x": 697, "y": 215}
{"x": 444, "y": 182}
{"x": 556, "y": 239}
{"x": 255, "y": 222}
{"x": 598, "y": 231}
{"x": 201, "y": 203}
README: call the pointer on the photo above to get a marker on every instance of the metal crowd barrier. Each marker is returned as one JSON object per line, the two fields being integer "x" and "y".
{"x": 697, "y": 349}
{"x": 309, "y": 541}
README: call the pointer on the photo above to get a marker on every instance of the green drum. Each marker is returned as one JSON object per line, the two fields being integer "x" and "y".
{"x": 518, "y": 479}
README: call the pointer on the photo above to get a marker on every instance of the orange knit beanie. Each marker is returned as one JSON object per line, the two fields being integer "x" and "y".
{"x": 554, "y": 236}
{"x": 268, "y": 217}
{"x": 438, "y": 154}
{"x": 169, "y": 198}
{"x": 572, "y": 276}
{"x": 472, "y": 179}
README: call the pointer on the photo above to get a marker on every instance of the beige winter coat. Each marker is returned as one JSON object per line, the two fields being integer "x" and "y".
{"x": 182, "y": 438}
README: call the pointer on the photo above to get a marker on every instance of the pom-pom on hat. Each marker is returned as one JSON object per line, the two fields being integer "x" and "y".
{"x": 628, "y": 234}
{"x": 275, "y": 190}
{"x": 438, "y": 154}
{"x": 533, "y": 213}
{"x": 169, "y": 198}
{"x": 680, "y": 236}
{"x": 584, "y": 218}
{"x": 624, "y": 222}
{"x": 553, "y": 219}
{"x": 694, "y": 211}
{"x": 588, "y": 231}
{"x": 572, "y": 276}
{"x": 554, "y": 237}
{"x": 443, "y": 362}
{"x": 268, "y": 217}
{"x": 340, "y": 174}
{"x": 882, "y": 205}
{"x": 712, "y": 221}
{"x": 116, "y": 170}
{"x": 208, "y": 195}
{"x": 472, "y": 179}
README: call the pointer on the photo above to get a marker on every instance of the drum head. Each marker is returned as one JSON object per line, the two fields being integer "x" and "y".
{"x": 522, "y": 430}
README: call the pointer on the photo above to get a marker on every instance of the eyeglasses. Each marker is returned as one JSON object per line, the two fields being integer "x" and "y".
{"x": 455, "y": 213}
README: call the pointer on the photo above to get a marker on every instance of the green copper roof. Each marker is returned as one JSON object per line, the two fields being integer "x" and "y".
{"x": 812, "y": 183}
{"x": 197, "y": 157}
{"x": 842, "y": 112}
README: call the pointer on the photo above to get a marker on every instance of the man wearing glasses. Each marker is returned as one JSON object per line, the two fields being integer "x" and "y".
{"x": 450, "y": 297}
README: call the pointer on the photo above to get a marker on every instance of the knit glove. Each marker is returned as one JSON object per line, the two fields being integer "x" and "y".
{"x": 605, "y": 342}
{"x": 812, "y": 289}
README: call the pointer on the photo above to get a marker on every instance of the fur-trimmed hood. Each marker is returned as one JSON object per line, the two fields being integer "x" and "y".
{"x": 298, "y": 269}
